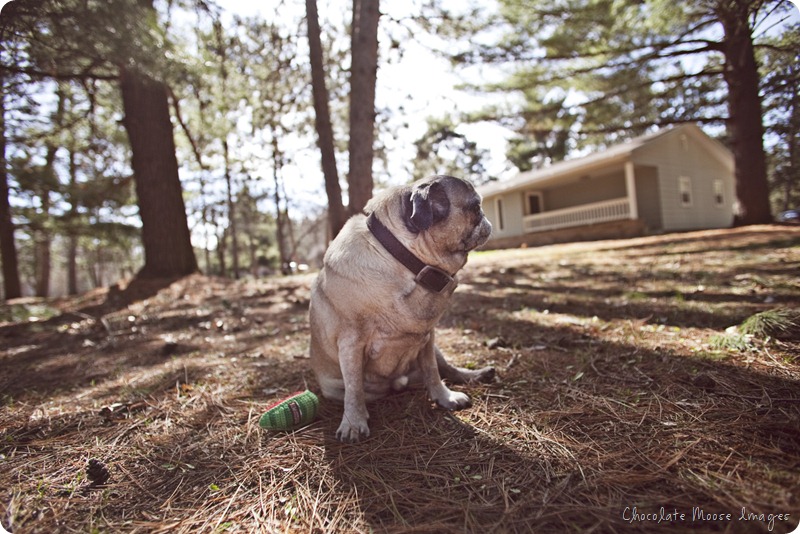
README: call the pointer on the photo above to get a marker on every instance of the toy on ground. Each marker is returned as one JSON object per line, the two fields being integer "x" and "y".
{"x": 295, "y": 411}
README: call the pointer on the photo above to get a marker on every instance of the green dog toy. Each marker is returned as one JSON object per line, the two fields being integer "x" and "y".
{"x": 295, "y": 411}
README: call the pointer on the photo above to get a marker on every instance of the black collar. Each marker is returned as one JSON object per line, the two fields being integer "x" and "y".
{"x": 431, "y": 278}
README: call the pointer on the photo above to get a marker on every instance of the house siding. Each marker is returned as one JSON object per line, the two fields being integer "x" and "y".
{"x": 677, "y": 155}
{"x": 512, "y": 214}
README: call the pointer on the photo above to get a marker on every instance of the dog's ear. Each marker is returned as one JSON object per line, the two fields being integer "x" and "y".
{"x": 428, "y": 204}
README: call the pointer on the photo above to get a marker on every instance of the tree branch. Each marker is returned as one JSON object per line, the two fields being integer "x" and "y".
{"x": 87, "y": 74}
{"x": 185, "y": 128}
{"x": 657, "y": 123}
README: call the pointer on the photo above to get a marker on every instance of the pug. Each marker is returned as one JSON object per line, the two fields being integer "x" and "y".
{"x": 386, "y": 280}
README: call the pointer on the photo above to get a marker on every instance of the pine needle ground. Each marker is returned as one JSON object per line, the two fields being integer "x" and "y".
{"x": 614, "y": 410}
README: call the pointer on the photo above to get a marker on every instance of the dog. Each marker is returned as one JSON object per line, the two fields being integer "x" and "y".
{"x": 386, "y": 280}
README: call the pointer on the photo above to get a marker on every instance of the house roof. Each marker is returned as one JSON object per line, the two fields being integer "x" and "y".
{"x": 617, "y": 153}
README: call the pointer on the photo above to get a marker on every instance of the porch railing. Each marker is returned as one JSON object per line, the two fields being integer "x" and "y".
{"x": 608, "y": 210}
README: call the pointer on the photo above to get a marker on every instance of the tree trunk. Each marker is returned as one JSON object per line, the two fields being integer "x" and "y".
{"x": 8, "y": 249}
{"x": 72, "y": 265}
{"x": 336, "y": 212}
{"x": 94, "y": 270}
{"x": 165, "y": 231}
{"x": 744, "y": 103}
{"x": 41, "y": 233}
{"x": 72, "y": 238}
{"x": 222, "y": 240}
{"x": 288, "y": 220}
{"x": 792, "y": 180}
{"x": 363, "y": 74}
{"x": 231, "y": 212}
{"x": 41, "y": 247}
{"x": 280, "y": 218}
{"x": 207, "y": 231}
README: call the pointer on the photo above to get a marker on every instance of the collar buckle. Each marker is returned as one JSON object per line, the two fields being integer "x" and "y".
{"x": 433, "y": 279}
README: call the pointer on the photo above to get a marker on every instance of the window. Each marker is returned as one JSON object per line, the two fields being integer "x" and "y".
{"x": 685, "y": 191}
{"x": 719, "y": 197}
{"x": 498, "y": 208}
{"x": 534, "y": 203}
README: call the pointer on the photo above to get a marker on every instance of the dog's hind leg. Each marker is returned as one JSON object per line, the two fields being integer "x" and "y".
{"x": 437, "y": 391}
{"x": 459, "y": 375}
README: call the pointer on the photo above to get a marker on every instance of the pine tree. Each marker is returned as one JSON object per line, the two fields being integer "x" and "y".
{"x": 626, "y": 66}
{"x": 116, "y": 42}
{"x": 361, "y": 140}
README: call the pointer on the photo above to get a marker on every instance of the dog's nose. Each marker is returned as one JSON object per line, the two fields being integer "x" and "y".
{"x": 487, "y": 227}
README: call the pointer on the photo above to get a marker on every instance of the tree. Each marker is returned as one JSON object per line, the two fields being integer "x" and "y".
{"x": 745, "y": 121}
{"x": 337, "y": 215}
{"x": 626, "y": 66}
{"x": 47, "y": 184}
{"x": 117, "y": 42}
{"x": 443, "y": 150}
{"x": 268, "y": 53}
{"x": 781, "y": 78}
{"x": 220, "y": 50}
{"x": 165, "y": 231}
{"x": 363, "y": 75}
{"x": 8, "y": 250}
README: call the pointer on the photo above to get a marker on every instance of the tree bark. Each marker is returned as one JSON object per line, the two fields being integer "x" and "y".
{"x": 165, "y": 231}
{"x": 280, "y": 215}
{"x": 336, "y": 212}
{"x": 8, "y": 249}
{"x": 41, "y": 232}
{"x": 222, "y": 243}
{"x": 745, "y": 125}
{"x": 41, "y": 246}
{"x": 72, "y": 238}
{"x": 231, "y": 211}
{"x": 363, "y": 74}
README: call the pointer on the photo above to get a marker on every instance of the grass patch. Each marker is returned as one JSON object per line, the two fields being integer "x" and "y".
{"x": 780, "y": 323}
{"x": 733, "y": 340}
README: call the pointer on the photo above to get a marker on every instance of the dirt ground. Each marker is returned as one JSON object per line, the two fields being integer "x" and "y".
{"x": 626, "y": 400}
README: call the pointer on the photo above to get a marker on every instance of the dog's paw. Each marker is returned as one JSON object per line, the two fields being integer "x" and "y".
{"x": 352, "y": 429}
{"x": 454, "y": 400}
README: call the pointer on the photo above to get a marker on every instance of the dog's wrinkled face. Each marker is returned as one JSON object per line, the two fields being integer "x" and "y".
{"x": 449, "y": 210}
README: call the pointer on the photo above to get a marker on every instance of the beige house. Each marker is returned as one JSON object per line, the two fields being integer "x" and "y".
{"x": 675, "y": 179}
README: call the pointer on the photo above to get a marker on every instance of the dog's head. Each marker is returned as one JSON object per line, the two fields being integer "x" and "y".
{"x": 448, "y": 210}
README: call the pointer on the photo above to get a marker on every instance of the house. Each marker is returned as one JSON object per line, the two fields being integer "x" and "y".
{"x": 674, "y": 179}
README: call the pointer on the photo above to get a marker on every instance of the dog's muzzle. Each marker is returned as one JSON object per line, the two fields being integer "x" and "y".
{"x": 479, "y": 235}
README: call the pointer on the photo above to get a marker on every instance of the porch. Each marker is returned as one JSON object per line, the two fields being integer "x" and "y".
{"x": 586, "y": 214}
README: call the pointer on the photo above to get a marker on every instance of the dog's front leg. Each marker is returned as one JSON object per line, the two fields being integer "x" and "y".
{"x": 351, "y": 361}
{"x": 437, "y": 391}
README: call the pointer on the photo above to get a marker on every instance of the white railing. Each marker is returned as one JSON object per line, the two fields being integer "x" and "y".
{"x": 609, "y": 210}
